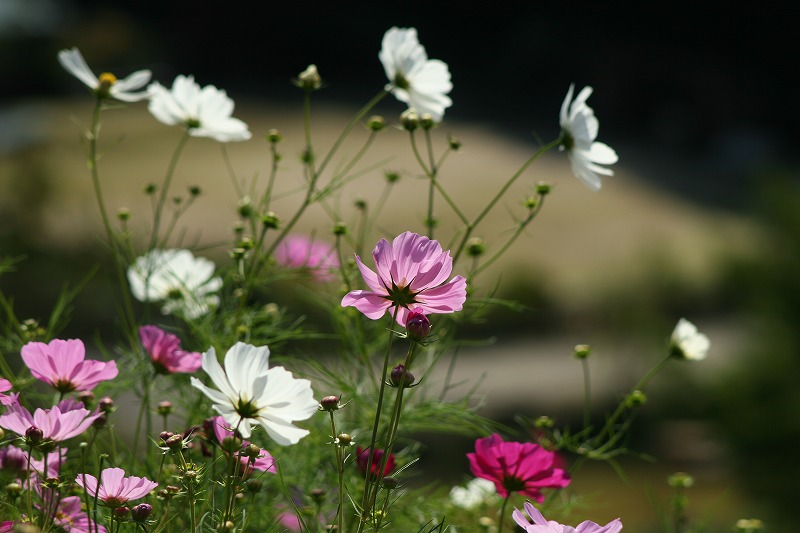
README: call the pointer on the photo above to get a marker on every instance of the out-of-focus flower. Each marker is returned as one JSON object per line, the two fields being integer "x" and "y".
{"x": 414, "y": 79}
{"x": 521, "y": 467}
{"x": 477, "y": 492}
{"x": 6, "y": 526}
{"x": 579, "y": 129}
{"x": 107, "y": 85}
{"x": 541, "y": 525}
{"x": 115, "y": 489}
{"x": 318, "y": 257}
{"x": 252, "y": 392}
{"x": 6, "y": 399}
{"x": 165, "y": 351}
{"x": 16, "y": 459}
{"x": 204, "y": 112}
{"x": 62, "y": 365}
{"x": 56, "y": 425}
{"x": 264, "y": 462}
{"x": 183, "y": 283}
{"x": 363, "y": 457}
{"x": 688, "y": 343}
{"x": 68, "y": 514}
{"x": 411, "y": 276}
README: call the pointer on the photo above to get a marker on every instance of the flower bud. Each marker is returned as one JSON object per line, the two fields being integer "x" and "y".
{"x": 360, "y": 204}
{"x": 33, "y": 435}
{"x": 231, "y": 444}
{"x": 376, "y": 123}
{"x": 165, "y": 435}
{"x": 475, "y": 247}
{"x": 141, "y": 512}
{"x": 15, "y": 460}
{"x": 400, "y": 377}
{"x": 391, "y": 176}
{"x": 680, "y": 480}
{"x": 252, "y": 451}
{"x": 417, "y": 326}
{"x": 409, "y": 119}
{"x": 150, "y": 189}
{"x": 86, "y": 397}
{"x": 106, "y": 404}
{"x": 165, "y": 408}
{"x": 329, "y": 403}
{"x": 13, "y": 490}
{"x": 245, "y": 208}
{"x": 309, "y": 79}
{"x": 582, "y": 351}
{"x": 543, "y": 422}
{"x": 274, "y": 136}
{"x": 318, "y": 495}
{"x": 122, "y": 512}
{"x": 174, "y": 443}
{"x": 340, "y": 228}
{"x": 454, "y": 143}
{"x": 531, "y": 202}
{"x": 543, "y": 188}
{"x": 270, "y": 220}
{"x": 390, "y": 482}
{"x": 254, "y": 484}
{"x": 636, "y": 398}
{"x": 344, "y": 439}
{"x": 123, "y": 214}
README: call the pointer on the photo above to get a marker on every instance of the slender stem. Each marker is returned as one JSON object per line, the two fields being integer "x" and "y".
{"x": 471, "y": 226}
{"x": 162, "y": 197}
{"x": 587, "y": 396}
{"x": 144, "y": 407}
{"x": 503, "y": 513}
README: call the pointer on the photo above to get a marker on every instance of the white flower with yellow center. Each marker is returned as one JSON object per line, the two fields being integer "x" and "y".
{"x": 107, "y": 85}
{"x": 688, "y": 343}
{"x": 420, "y": 82}
{"x": 252, "y": 393}
{"x": 204, "y": 112}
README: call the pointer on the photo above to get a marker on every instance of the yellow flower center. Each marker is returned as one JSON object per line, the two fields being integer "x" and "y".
{"x": 106, "y": 80}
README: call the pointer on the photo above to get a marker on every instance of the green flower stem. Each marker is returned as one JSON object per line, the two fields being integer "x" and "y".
{"x": 339, "y": 458}
{"x": 273, "y": 171}
{"x": 472, "y": 225}
{"x": 190, "y": 492}
{"x": 143, "y": 408}
{"x": 517, "y": 232}
{"x": 435, "y": 182}
{"x": 501, "y": 520}
{"x": 587, "y": 396}
{"x": 621, "y": 408}
{"x": 162, "y": 197}
{"x": 365, "y": 511}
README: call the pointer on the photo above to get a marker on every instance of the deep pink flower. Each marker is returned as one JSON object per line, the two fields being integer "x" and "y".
{"x": 165, "y": 351}
{"x": 542, "y": 525}
{"x": 264, "y": 462}
{"x": 298, "y": 251}
{"x": 6, "y": 526}
{"x": 56, "y": 424}
{"x": 521, "y": 467}
{"x": 362, "y": 461}
{"x": 61, "y": 365}
{"x": 412, "y": 271}
{"x": 6, "y": 399}
{"x": 115, "y": 489}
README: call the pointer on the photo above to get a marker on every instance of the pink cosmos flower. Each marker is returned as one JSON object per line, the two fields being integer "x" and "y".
{"x": 61, "y": 365}
{"x": 6, "y": 399}
{"x": 16, "y": 460}
{"x": 70, "y": 517}
{"x": 264, "y": 462}
{"x": 521, "y": 467}
{"x": 6, "y": 526}
{"x": 165, "y": 352}
{"x": 541, "y": 525}
{"x": 318, "y": 257}
{"x": 115, "y": 489}
{"x": 412, "y": 271}
{"x": 362, "y": 461}
{"x": 63, "y": 421}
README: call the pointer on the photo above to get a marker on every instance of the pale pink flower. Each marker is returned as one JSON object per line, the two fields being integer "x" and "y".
{"x": 62, "y": 365}
{"x": 56, "y": 425}
{"x": 16, "y": 460}
{"x": 6, "y": 399}
{"x": 521, "y": 467}
{"x": 115, "y": 489}
{"x": 71, "y": 517}
{"x": 298, "y": 251}
{"x": 542, "y": 525}
{"x": 411, "y": 275}
{"x": 264, "y": 462}
{"x": 165, "y": 351}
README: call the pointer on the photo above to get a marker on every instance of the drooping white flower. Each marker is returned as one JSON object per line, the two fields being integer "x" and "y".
{"x": 252, "y": 393}
{"x": 579, "y": 129}
{"x": 688, "y": 343}
{"x": 183, "y": 283}
{"x": 420, "y": 82}
{"x": 204, "y": 112}
{"x": 107, "y": 85}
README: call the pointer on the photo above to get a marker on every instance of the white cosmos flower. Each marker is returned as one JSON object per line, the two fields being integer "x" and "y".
{"x": 252, "y": 393}
{"x": 204, "y": 112}
{"x": 579, "y": 129}
{"x": 107, "y": 85}
{"x": 477, "y": 492}
{"x": 688, "y": 343}
{"x": 420, "y": 82}
{"x": 183, "y": 283}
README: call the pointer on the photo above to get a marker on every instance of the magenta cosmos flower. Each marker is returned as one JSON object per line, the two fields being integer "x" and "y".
{"x": 521, "y": 467}
{"x": 298, "y": 251}
{"x": 411, "y": 275}
{"x": 64, "y": 421}
{"x": 62, "y": 365}
{"x": 542, "y": 525}
{"x": 165, "y": 352}
{"x": 115, "y": 489}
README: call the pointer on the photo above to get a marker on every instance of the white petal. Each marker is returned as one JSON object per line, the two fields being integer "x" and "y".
{"x": 245, "y": 363}
{"x": 73, "y": 62}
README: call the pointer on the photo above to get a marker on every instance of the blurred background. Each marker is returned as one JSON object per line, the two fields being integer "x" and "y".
{"x": 701, "y": 220}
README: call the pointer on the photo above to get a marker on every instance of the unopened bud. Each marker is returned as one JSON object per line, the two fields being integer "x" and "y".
{"x": 318, "y": 495}
{"x": 391, "y": 176}
{"x": 390, "y": 482}
{"x": 141, "y": 512}
{"x": 274, "y": 136}
{"x": 86, "y": 398}
{"x": 122, "y": 512}
{"x": 417, "y": 326}
{"x": 680, "y": 480}
{"x": 636, "y": 398}
{"x": 582, "y": 351}
{"x": 409, "y": 119}
{"x": 344, "y": 439}
{"x": 123, "y": 214}
{"x": 400, "y": 377}
{"x": 13, "y": 490}
{"x": 34, "y": 435}
{"x": 106, "y": 404}
{"x": 426, "y": 121}
{"x": 165, "y": 408}
{"x": 543, "y": 188}
{"x": 270, "y": 220}
{"x": 309, "y": 79}
{"x": 253, "y": 484}
{"x": 174, "y": 443}
{"x": 376, "y": 123}
{"x": 340, "y": 228}
{"x": 329, "y": 403}
{"x": 475, "y": 247}
{"x": 454, "y": 143}
{"x": 543, "y": 422}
